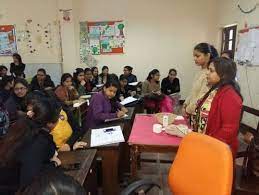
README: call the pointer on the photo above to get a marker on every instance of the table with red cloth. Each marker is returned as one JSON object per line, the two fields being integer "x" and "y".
{"x": 143, "y": 139}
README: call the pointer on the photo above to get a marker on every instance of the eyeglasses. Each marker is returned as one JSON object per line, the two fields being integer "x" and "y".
{"x": 20, "y": 89}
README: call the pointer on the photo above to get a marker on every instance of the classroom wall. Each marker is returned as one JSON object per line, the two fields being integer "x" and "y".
{"x": 42, "y": 13}
{"x": 159, "y": 34}
{"x": 229, "y": 13}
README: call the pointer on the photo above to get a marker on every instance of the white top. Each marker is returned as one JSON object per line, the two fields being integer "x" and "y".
{"x": 199, "y": 89}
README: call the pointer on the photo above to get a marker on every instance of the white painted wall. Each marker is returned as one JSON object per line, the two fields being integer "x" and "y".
{"x": 159, "y": 34}
{"x": 229, "y": 13}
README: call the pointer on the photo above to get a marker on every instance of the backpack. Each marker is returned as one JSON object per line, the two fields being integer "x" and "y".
{"x": 4, "y": 121}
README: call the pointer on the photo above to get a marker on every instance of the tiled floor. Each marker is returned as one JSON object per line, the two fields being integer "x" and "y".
{"x": 156, "y": 171}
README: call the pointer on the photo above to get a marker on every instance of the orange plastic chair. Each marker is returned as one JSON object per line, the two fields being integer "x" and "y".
{"x": 203, "y": 166}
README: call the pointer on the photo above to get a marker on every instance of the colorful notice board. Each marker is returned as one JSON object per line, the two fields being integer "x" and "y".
{"x": 8, "y": 44}
{"x": 106, "y": 37}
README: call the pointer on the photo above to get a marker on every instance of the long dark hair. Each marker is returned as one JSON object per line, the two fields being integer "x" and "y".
{"x": 151, "y": 74}
{"x": 64, "y": 77}
{"x": 206, "y": 48}
{"x": 92, "y": 69}
{"x": 21, "y": 81}
{"x": 5, "y": 80}
{"x": 75, "y": 75}
{"x": 18, "y": 57}
{"x": 44, "y": 112}
{"x": 52, "y": 182}
{"x": 226, "y": 69}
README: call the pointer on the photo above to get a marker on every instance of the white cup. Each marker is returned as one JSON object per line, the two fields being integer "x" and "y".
{"x": 157, "y": 128}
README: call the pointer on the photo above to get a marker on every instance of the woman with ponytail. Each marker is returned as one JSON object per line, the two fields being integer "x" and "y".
{"x": 218, "y": 112}
{"x": 203, "y": 54}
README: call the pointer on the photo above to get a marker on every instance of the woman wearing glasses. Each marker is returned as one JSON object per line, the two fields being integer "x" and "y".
{"x": 16, "y": 103}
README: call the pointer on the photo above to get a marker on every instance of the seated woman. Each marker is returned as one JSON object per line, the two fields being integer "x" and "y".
{"x": 6, "y": 87}
{"x": 16, "y": 103}
{"x": 219, "y": 111}
{"x": 104, "y": 76}
{"x": 63, "y": 135}
{"x": 127, "y": 72}
{"x": 95, "y": 75}
{"x": 3, "y": 71}
{"x": 170, "y": 84}
{"x": 28, "y": 148}
{"x": 79, "y": 81}
{"x": 66, "y": 92}
{"x": 103, "y": 106}
{"x": 154, "y": 100}
{"x": 89, "y": 80}
{"x": 123, "y": 90}
{"x": 41, "y": 81}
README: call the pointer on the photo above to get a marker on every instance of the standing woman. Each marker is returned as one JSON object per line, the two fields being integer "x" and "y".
{"x": 17, "y": 67}
{"x": 218, "y": 112}
{"x": 203, "y": 53}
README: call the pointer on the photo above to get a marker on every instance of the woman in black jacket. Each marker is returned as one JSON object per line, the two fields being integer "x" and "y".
{"x": 16, "y": 103}
{"x": 17, "y": 67}
{"x": 170, "y": 84}
{"x": 41, "y": 81}
{"x": 28, "y": 148}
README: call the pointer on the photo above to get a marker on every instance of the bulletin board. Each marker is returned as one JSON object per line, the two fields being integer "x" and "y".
{"x": 106, "y": 37}
{"x": 247, "y": 52}
{"x": 8, "y": 44}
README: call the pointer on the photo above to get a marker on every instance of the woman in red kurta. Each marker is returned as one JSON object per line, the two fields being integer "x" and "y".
{"x": 219, "y": 111}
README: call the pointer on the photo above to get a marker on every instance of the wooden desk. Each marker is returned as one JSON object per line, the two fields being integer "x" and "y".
{"x": 110, "y": 155}
{"x": 86, "y": 175}
{"x": 142, "y": 139}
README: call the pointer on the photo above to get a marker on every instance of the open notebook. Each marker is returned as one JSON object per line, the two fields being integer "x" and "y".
{"x": 128, "y": 100}
{"x": 105, "y": 136}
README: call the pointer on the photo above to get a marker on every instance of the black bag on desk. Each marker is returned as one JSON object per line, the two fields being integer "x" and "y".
{"x": 251, "y": 160}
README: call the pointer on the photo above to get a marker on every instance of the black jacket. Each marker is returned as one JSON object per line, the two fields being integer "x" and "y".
{"x": 47, "y": 83}
{"x": 31, "y": 158}
{"x": 14, "y": 104}
{"x": 168, "y": 87}
{"x": 17, "y": 70}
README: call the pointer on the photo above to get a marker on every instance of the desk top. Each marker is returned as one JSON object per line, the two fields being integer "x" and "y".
{"x": 87, "y": 136}
{"x": 142, "y": 132}
{"x": 84, "y": 157}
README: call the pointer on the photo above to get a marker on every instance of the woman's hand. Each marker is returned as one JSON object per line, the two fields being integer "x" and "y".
{"x": 82, "y": 83}
{"x": 120, "y": 114}
{"x": 30, "y": 114}
{"x": 64, "y": 148}
{"x": 79, "y": 145}
{"x": 248, "y": 137}
{"x": 56, "y": 160}
{"x": 123, "y": 109}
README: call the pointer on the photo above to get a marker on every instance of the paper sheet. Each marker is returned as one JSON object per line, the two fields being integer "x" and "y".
{"x": 115, "y": 119}
{"x": 101, "y": 137}
{"x": 133, "y": 84}
{"x": 128, "y": 100}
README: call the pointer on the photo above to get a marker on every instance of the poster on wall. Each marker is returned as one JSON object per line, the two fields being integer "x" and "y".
{"x": 106, "y": 37}
{"x": 8, "y": 44}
